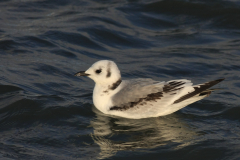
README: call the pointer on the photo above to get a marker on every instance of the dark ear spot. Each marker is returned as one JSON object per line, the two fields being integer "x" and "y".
{"x": 108, "y": 70}
{"x": 108, "y": 73}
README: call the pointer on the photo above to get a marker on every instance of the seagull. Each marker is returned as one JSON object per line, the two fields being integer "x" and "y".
{"x": 141, "y": 97}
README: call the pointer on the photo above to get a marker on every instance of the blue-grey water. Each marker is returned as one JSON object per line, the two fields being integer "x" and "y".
{"x": 47, "y": 113}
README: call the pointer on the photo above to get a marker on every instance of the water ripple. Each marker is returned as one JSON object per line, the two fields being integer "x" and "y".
{"x": 47, "y": 113}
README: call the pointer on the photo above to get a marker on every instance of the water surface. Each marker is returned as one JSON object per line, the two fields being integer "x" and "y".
{"x": 47, "y": 113}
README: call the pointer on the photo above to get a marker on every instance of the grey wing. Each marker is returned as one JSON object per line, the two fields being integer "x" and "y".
{"x": 136, "y": 90}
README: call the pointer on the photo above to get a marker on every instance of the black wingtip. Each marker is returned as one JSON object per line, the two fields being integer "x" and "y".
{"x": 199, "y": 89}
{"x": 220, "y": 80}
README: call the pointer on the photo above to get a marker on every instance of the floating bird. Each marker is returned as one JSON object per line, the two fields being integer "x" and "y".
{"x": 141, "y": 97}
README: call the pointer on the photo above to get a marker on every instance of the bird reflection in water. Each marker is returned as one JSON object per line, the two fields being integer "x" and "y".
{"x": 115, "y": 134}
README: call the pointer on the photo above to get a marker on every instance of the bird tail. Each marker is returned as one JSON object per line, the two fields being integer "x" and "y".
{"x": 208, "y": 91}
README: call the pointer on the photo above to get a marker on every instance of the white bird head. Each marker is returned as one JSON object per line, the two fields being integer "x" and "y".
{"x": 102, "y": 72}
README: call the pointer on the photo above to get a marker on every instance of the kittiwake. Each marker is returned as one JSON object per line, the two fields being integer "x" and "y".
{"x": 141, "y": 97}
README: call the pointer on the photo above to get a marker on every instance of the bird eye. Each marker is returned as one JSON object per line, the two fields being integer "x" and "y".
{"x": 98, "y": 71}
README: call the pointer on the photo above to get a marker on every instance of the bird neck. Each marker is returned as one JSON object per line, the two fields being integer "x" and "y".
{"x": 102, "y": 95}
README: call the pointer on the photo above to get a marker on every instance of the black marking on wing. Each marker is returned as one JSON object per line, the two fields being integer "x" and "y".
{"x": 170, "y": 87}
{"x": 150, "y": 97}
{"x": 198, "y": 90}
{"x": 205, "y": 93}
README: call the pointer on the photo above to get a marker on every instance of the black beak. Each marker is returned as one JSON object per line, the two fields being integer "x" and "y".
{"x": 81, "y": 73}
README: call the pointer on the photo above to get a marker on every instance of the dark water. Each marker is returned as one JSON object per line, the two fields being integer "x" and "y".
{"x": 47, "y": 113}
